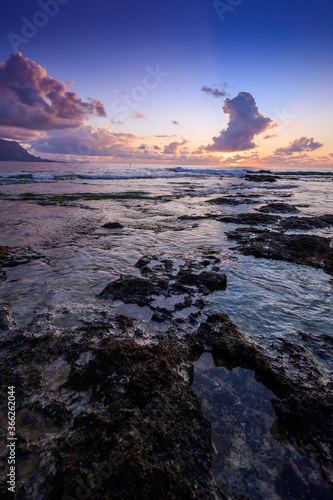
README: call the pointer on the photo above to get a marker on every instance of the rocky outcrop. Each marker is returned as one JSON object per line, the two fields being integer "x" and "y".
{"x": 261, "y": 178}
{"x": 300, "y": 248}
{"x": 103, "y": 418}
{"x": 12, "y": 151}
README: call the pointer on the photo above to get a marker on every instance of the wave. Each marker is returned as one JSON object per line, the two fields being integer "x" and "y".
{"x": 152, "y": 173}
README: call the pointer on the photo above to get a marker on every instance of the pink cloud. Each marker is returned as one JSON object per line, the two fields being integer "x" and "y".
{"x": 31, "y": 99}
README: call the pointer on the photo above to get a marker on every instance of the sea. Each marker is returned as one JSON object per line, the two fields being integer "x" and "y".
{"x": 58, "y": 209}
{"x": 56, "y": 213}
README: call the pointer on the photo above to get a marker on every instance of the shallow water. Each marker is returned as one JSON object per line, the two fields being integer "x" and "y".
{"x": 251, "y": 455}
{"x": 265, "y": 298}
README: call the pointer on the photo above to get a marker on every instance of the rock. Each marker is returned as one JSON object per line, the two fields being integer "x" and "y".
{"x": 231, "y": 200}
{"x": 282, "y": 208}
{"x": 205, "y": 281}
{"x": 5, "y": 318}
{"x": 125, "y": 422}
{"x": 261, "y": 178}
{"x": 4, "y": 252}
{"x": 300, "y": 248}
{"x": 113, "y": 225}
{"x": 20, "y": 255}
{"x": 133, "y": 289}
{"x": 306, "y": 223}
{"x": 161, "y": 315}
{"x": 304, "y": 392}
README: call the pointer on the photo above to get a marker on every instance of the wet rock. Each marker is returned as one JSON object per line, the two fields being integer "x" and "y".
{"x": 304, "y": 391}
{"x": 205, "y": 281}
{"x": 300, "y": 248}
{"x": 21, "y": 255}
{"x": 230, "y": 200}
{"x": 261, "y": 178}
{"x": 282, "y": 208}
{"x": 126, "y": 424}
{"x": 5, "y": 318}
{"x": 133, "y": 289}
{"x": 161, "y": 315}
{"x": 306, "y": 223}
{"x": 113, "y": 225}
{"x": 4, "y": 252}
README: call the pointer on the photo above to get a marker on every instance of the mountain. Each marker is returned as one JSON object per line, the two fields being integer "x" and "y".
{"x": 12, "y": 151}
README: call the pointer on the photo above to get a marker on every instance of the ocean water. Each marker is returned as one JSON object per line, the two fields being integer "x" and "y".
{"x": 58, "y": 210}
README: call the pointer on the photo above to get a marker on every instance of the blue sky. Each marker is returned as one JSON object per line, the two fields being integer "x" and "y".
{"x": 279, "y": 52}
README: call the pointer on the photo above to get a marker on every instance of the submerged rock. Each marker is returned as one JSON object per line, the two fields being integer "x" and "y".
{"x": 304, "y": 391}
{"x": 300, "y": 248}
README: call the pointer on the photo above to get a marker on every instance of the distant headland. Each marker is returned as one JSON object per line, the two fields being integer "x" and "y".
{"x": 12, "y": 151}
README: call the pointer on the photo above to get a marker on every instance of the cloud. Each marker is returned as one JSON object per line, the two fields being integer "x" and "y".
{"x": 143, "y": 146}
{"x": 31, "y": 99}
{"x": 86, "y": 141}
{"x": 299, "y": 145}
{"x": 137, "y": 116}
{"x": 19, "y": 134}
{"x": 172, "y": 148}
{"x": 174, "y": 122}
{"x": 215, "y": 92}
{"x": 270, "y": 136}
{"x": 245, "y": 122}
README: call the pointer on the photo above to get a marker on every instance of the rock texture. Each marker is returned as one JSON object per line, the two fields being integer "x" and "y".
{"x": 300, "y": 248}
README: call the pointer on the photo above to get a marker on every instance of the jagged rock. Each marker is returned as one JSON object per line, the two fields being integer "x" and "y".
{"x": 5, "y": 318}
{"x": 300, "y": 248}
{"x": 134, "y": 289}
{"x": 120, "y": 422}
{"x": 205, "y": 281}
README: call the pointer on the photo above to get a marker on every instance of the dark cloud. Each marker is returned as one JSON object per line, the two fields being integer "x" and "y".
{"x": 172, "y": 148}
{"x": 214, "y": 91}
{"x": 143, "y": 146}
{"x": 245, "y": 122}
{"x": 31, "y": 99}
{"x": 174, "y": 122}
{"x": 299, "y": 145}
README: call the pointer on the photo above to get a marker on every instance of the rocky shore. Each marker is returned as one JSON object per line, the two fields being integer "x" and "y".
{"x": 106, "y": 411}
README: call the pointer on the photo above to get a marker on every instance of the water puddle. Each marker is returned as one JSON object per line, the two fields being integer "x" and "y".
{"x": 251, "y": 456}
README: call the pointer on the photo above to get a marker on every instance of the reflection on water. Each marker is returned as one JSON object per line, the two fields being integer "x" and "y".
{"x": 251, "y": 456}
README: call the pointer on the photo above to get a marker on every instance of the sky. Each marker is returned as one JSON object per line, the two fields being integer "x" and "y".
{"x": 234, "y": 82}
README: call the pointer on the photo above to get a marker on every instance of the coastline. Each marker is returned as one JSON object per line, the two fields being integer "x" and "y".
{"x": 109, "y": 369}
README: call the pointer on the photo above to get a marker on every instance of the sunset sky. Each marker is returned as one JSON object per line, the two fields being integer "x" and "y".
{"x": 240, "y": 82}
